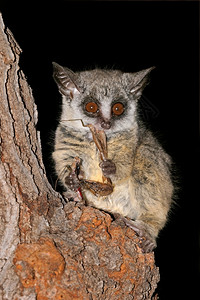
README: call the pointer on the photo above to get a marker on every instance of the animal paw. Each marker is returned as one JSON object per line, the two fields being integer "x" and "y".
{"x": 72, "y": 182}
{"x": 147, "y": 242}
{"x": 108, "y": 167}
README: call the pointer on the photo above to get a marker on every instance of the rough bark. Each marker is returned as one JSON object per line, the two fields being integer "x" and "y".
{"x": 50, "y": 249}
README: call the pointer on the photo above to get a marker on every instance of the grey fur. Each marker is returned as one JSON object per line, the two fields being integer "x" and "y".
{"x": 143, "y": 187}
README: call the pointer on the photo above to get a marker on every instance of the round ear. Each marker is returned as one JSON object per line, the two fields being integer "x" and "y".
{"x": 134, "y": 83}
{"x": 66, "y": 80}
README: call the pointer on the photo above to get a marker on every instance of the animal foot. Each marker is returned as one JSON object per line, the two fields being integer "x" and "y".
{"x": 147, "y": 242}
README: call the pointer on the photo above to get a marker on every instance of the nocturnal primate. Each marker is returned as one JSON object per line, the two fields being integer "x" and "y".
{"x": 137, "y": 165}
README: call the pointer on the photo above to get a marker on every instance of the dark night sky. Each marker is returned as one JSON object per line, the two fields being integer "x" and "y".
{"x": 128, "y": 36}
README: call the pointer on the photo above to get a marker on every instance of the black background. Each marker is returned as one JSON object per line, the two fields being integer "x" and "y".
{"x": 128, "y": 36}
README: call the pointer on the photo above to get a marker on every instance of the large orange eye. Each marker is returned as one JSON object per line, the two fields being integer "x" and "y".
{"x": 118, "y": 109}
{"x": 91, "y": 107}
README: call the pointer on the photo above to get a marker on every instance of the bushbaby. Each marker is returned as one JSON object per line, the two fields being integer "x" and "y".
{"x": 138, "y": 166}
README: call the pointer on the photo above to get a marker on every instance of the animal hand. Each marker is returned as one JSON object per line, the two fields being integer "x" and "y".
{"x": 108, "y": 167}
{"x": 72, "y": 181}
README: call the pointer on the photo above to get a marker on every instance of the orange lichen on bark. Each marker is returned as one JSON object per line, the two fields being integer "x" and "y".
{"x": 131, "y": 268}
{"x": 39, "y": 265}
{"x": 95, "y": 228}
{"x": 118, "y": 254}
{"x": 99, "y": 257}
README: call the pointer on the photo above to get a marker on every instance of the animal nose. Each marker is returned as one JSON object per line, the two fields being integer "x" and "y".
{"x": 105, "y": 124}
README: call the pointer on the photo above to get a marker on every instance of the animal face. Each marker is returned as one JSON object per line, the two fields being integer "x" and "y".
{"x": 106, "y": 99}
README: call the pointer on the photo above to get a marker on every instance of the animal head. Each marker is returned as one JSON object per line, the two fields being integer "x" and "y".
{"x": 106, "y": 99}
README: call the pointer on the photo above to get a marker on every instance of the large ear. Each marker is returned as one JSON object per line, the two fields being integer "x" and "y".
{"x": 136, "y": 82}
{"x": 66, "y": 80}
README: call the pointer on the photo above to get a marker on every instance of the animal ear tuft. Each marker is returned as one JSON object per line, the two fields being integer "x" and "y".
{"x": 66, "y": 80}
{"x": 136, "y": 82}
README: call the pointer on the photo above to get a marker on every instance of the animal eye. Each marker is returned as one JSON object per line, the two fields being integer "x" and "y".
{"x": 118, "y": 109}
{"x": 91, "y": 107}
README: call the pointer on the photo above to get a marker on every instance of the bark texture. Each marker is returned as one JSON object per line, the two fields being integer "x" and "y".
{"x": 50, "y": 249}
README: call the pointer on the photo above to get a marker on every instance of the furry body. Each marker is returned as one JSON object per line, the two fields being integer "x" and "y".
{"x": 142, "y": 182}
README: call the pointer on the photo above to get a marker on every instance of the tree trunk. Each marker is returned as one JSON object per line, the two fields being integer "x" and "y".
{"x": 49, "y": 248}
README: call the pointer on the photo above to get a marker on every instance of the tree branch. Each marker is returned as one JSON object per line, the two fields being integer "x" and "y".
{"x": 52, "y": 250}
